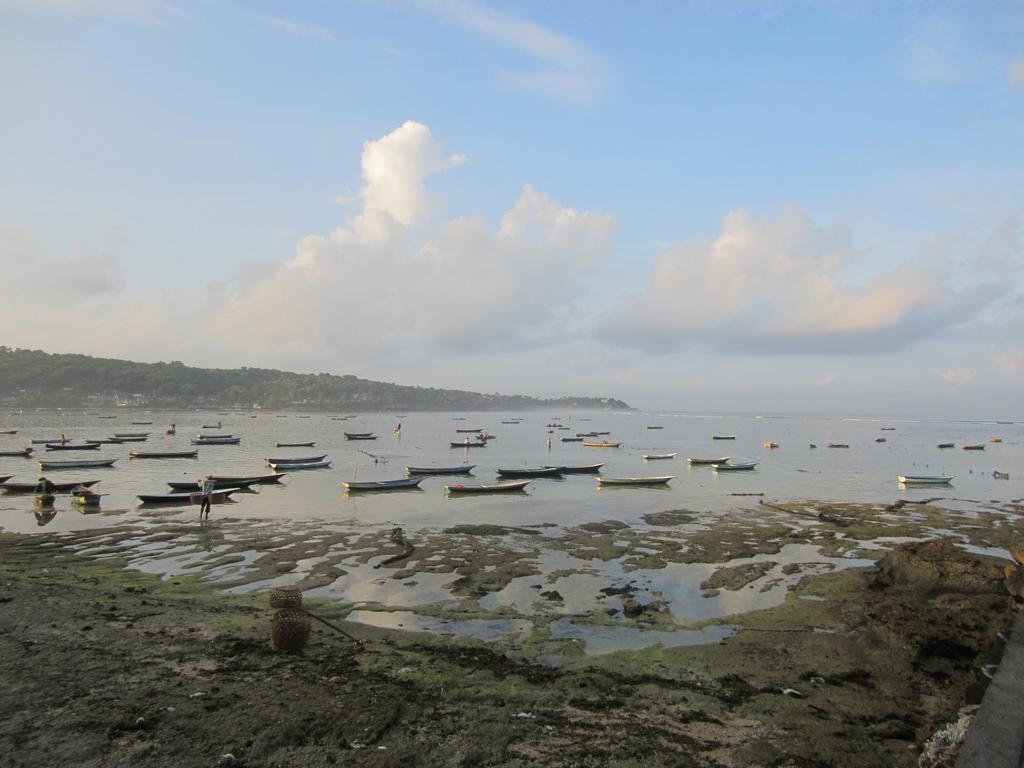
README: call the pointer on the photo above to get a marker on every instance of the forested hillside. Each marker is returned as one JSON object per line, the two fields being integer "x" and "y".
{"x": 34, "y": 378}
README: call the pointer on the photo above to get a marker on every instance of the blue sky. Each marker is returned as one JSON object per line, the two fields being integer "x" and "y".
{"x": 709, "y": 205}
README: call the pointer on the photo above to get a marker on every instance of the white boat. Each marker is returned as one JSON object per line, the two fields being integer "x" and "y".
{"x": 925, "y": 479}
{"x": 661, "y": 480}
{"x": 382, "y": 485}
{"x": 75, "y": 463}
{"x": 738, "y": 467}
{"x": 601, "y": 444}
{"x": 655, "y": 456}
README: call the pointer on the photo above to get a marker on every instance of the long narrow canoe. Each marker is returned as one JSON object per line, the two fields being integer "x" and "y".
{"x": 530, "y": 472}
{"x": 10, "y": 487}
{"x": 382, "y": 485}
{"x": 580, "y": 469}
{"x": 213, "y": 426}
{"x": 19, "y": 452}
{"x": 8, "y": 431}
{"x": 459, "y": 488}
{"x": 947, "y": 445}
{"x": 926, "y": 479}
{"x": 838, "y": 445}
{"x": 72, "y": 446}
{"x": 298, "y": 460}
{"x": 218, "y": 497}
{"x": 137, "y": 439}
{"x": 662, "y": 480}
{"x": 107, "y": 441}
{"x": 296, "y": 445}
{"x": 657, "y": 456}
{"x": 46, "y": 441}
{"x": 723, "y": 437}
{"x": 141, "y": 423}
{"x": 218, "y": 441}
{"x": 695, "y": 460}
{"x": 737, "y": 467}
{"x": 163, "y": 454}
{"x": 469, "y": 431}
{"x": 131, "y": 434}
{"x": 465, "y": 469}
{"x": 304, "y": 465}
{"x": 601, "y": 444}
{"x": 204, "y": 436}
{"x": 108, "y": 417}
{"x": 588, "y": 434}
{"x": 220, "y": 481}
{"x": 479, "y": 444}
{"x": 76, "y": 463}
{"x": 359, "y": 435}
{"x": 978, "y": 447}
{"x": 5, "y": 478}
{"x": 571, "y": 439}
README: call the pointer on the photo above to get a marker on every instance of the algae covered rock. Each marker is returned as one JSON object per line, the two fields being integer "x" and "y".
{"x": 937, "y": 567}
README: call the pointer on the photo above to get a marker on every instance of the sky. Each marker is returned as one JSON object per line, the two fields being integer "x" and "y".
{"x": 741, "y": 205}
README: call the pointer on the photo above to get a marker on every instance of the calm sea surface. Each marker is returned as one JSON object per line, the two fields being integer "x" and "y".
{"x": 866, "y": 471}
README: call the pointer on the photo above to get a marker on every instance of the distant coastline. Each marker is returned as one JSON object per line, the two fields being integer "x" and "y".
{"x": 34, "y": 379}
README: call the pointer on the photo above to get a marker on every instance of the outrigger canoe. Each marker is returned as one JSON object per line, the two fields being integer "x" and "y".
{"x": 20, "y": 452}
{"x": 72, "y": 446}
{"x": 163, "y": 454}
{"x": 131, "y": 434}
{"x": 298, "y": 460}
{"x": 459, "y": 488}
{"x": 76, "y": 463}
{"x": 218, "y": 441}
{"x": 662, "y": 480}
{"x": 382, "y": 485}
{"x": 741, "y": 466}
{"x": 220, "y": 481}
{"x": 696, "y": 461}
{"x": 217, "y": 497}
{"x": 9, "y": 487}
{"x": 304, "y": 465}
{"x": 925, "y": 479}
{"x": 601, "y": 444}
{"x": 465, "y": 469}
{"x": 530, "y": 472}
{"x": 580, "y": 469}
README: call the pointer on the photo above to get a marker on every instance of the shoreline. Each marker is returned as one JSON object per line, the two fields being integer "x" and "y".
{"x": 847, "y": 658}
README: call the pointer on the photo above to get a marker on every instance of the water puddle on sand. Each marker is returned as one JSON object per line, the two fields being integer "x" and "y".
{"x": 489, "y": 630}
{"x": 598, "y": 639}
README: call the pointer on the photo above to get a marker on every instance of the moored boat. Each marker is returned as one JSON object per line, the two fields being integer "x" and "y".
{"x": 978, "y": 447}
{"x": 86, "y": 496}
{"x": 106, "y": 441}
{"x": 658, "y": 480}
{"x": 131, "y": 434}
{"x": 217, "y": 497}
{"x": 223, "y": 481}
{"x": 529, "y": 472}
{"x": 303, "y": 465}
{"x": 464, "y": 469}
{"x": 723, "y": 437}
{"x": 163, "y": 454}
{"x": 925, "y": 479}
{"x": 297, "y": 445}
{"x": 741, "y": 466}
{"x": 580, "y": 469}
{"x": 838, "y": 445}
{"x": 600, "y": 444}
{"x": 136, "y": 439}
{"x": 946, "y": 445}
{"x": 359, "y": 436}
{"x": 297, "y": 459}
{"x": 10, "y": 487}
{"x": 382, "y": 485}
{"x": 75, "y": 463}
{"x": 218, "y": 441}
{"x": 697, "y": 461}
{"x": 20, "y": 452}
{"x": 571, "y": 439}
{"x": 658, "y": 456}
{"x": 72, "y": 446}
{"x": 478, "y": 444}
{"x": 460, "y": 488}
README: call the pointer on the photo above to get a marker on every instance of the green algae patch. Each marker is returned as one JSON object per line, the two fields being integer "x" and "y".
{"x": 737, "y": 576}
{"x": 485, "y": 529}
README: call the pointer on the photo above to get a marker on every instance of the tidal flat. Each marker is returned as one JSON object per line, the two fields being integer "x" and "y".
{"x": 798, "y": 633}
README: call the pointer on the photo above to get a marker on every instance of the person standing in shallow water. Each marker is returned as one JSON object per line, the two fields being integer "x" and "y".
{"x": 206, "y": 487}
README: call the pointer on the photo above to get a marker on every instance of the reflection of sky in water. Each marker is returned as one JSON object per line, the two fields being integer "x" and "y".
{"x": 605, "y": 639}
{"x": 365, "y": 584}
{"x": 481, "y": 629}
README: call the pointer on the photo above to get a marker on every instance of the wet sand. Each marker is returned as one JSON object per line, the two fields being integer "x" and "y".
{"x": 106, "y": 665}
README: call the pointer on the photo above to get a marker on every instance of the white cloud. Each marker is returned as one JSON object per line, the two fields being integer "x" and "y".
{"x": 394, "y": 169}
{"x": 1016, "y": 73}
{"x": 93, "y": 274}
{"x": 295, "y": 28}
{"x": 567, "y": 69}
{"x": 958, "y": 376}
{"x": 779, "y": 285}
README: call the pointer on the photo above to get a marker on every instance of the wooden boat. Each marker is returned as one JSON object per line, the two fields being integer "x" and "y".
{"x": 723, "y": 437}
{"x": 217, "y": 497}
{"x": 10, "y": 487}
{"x": 600, "y": 444}
{"x": 510, "y": 422}
{"x": 770, "y": 445}
{"x": 662, "y": 480}
{"x": 5, "y": 478}
{"x": 131, "y": 439}
{"x": 86, "y": 496}
{"x": 359, "y": 436}
{"x": 530, "y": 472}
{"x": 72, "y": 446}
{"x": 995, "y": 439}
{"x": 107, "y": 441}
{"x": 304, "y": 465}
{"x": 8, "y": 431}
{"x": 108, "y": 417}
{"x": 477, "y": 444}
{"x": 925, "y": 479}
{"x": 571, "y": 439}
{"x": 382, "y": 485}
{"x": 946, "y": 445}
{"x": 464, "y": 469}
{"x": 657, "y": 456}
{"x": 582, "y": 435}
{"x": 51, "y": 440}
{"x": 76, "y": 463}
{"x": 512, "y": 487}
{"x": 838, "y": 445}
{"x": 131, "y": 434}
{"x": 222, "y": 481}
{"x": 888, "y": 429}
{"x": 203, "y": 436}
{"x": 602, "y": 433}
{"x": 655, "y": 427}
{"x": 141, "y": 423}
{"x": 296, "y": 445}
{"x": 978, "y": 447}
{"x": 218, "y": 441}
{"x": 580, "y": 469}
{"x": 468, "y": 431}
{"x": 19, "y": 452}
{"x": 297, "y": 460}
{"x": 163, "y": 454}
{"x": 218, "y": 425}
{"x": 737, "y": 467}
{"x": 697, "y": 461}
{"x": 880, "y": 440}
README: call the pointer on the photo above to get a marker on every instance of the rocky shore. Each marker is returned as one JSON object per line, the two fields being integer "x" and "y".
{"x": 107, "y": 666}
